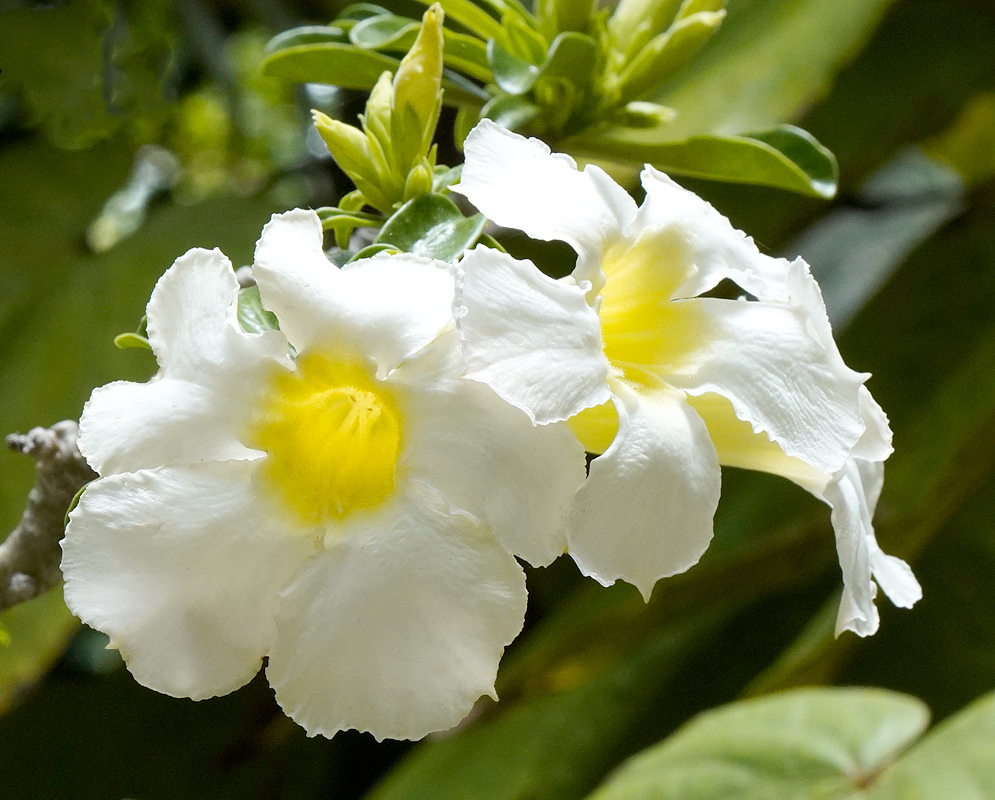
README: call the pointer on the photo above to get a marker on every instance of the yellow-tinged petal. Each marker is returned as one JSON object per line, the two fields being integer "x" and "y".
{"x": 738, "y": 446}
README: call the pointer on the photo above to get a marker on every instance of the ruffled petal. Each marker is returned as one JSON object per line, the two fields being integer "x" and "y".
{"x": 211, "y": 370}
{"x": 738, "y": 445}
{"x": 126, "y": 426}
{"x": 717, "y": 249}
{"x": 535, "y": 341}
{"x": 519, "y": 183}
{"x": 852, "y": 494}
{"x": 762, "y": 357}
{"x": 486, "y": 457}
{"x": 645, "y": 511}
{"x": 398, "y": 628}
{"x": 181, "y": 568}
{"x": 193, "y": 326}
{"x": 385, "y": 307}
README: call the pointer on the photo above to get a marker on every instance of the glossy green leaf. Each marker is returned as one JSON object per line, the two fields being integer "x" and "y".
{"x": 471, "y": 17}
{"x": 360, "y": 11}
{"x": 784, "y": 157}
{"x": 523, "y": 38}
{"x": 354, "y": 68}
{"x": 308, "y": 34}
{"x": 768, "y": 63}
{"x": 463, "y": 53}
{"x": 251, "y": 315}
{"x": 573, "y": 56}
{"x": 825, "y": 743}
{"x": 509, "y": 111}
{"x": 512, "y": 74}
{"x": 432, "y": 226}
{"x": 373, "y": 249}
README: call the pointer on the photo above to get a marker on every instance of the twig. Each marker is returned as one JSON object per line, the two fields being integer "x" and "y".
{"x": 30, "y": 556}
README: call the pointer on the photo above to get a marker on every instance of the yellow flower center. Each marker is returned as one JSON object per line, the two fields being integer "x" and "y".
{"x": 646, "y": 333}
{"x": 333, "y": 436}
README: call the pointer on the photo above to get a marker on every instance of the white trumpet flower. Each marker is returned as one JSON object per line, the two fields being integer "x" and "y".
{"x": 347, "y": 511}
{"x": 665, "y": 384}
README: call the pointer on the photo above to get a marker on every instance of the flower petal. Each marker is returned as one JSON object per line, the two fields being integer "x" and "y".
{"x": 853, "y": 495}
{"x": 193, "y": 325}
{"x": 486, "y": 457}
{"x": 398, "y": 628}
{"x": 386, "y": 308}
{"x": 181, "y": 569}
{"x": 715, "y": 247}
{"x": 645, "y": 511}
{"x": 535, "y": 341}
{"x": 127, "y": 426}
{"x": 194, "y": 410}
{"x": 519, "y": 183}
{"x": 762, "y": 357}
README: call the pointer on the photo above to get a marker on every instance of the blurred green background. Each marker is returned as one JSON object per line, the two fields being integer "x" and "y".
{"x": 902, "y": 92}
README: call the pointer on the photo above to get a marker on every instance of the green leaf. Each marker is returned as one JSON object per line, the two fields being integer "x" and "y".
{"x": 251, "y": 315}
{"x": 360, "y": 11}
{"x": 373, "y": 249}
{"x": 825, "y": 743}
{"x": 138, "y": 339}
{"x": 768, "y": 63}
{"x": 510, "y": 112}
{"x": 512, "y": 74}
{"x": 785, "y": 157}
{"x": 432, "y": 226}
{"x": 471, "y": 17}
{"x": 954, "y": 760}
{"x": 353, "y": 67}
{"x": 573, "y": 56}
{"x": 308, "y": 34}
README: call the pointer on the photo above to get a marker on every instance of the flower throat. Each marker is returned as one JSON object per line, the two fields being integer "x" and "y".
{"x": 332, "y": 435}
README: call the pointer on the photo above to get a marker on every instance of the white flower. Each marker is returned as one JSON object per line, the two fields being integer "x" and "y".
{"x": 347, "y": 512}
{"x": 667, "y": 384}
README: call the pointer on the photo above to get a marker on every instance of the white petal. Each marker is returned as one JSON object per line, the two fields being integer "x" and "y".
{"x": 181, "y": 569}
{"x": 519, "y": 183}
{"x": 645, "y": 511}
{"x": 193, "y": 325}
{"x": 398, "y": 628}
{"x": 874, "y": 443}
{"x": 130, "y": 426}
{"x": 717, "y": 249}
{"x": 853, "y": 495}
{"x": 386, "y": 307}
{"x": 762, "y": 357}
{"x": 535, "y": 341}
{"x": 211, "y": 371}
{"x": 486, "y": 457}
{"x": 851, "y": 518}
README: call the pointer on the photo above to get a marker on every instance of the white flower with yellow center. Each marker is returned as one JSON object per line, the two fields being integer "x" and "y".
{"x": 665, "y": 384}
{"x": 347, "y": 512}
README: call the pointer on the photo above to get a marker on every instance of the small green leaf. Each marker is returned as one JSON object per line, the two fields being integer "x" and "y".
{"x": 510, "y": 112}
{"x": 825, "y": 743}
{"x": 131, "y": 341}
{"x": 308, "y": 34}
{"x": 361, "y": 11}
{"x": 512, "y": 74}
{"x": 803, "y": 165}
{"x": 385, "y": 32}
{"x": 251, "y": 315}
{"x": 446, "y": 177}
{"x": 136, "y": 340}
{"x": 523, "y": 39}
{"x": 371, "y": 250}
{"x": 573, "y": 56}
{"x": 432, "y": 226}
